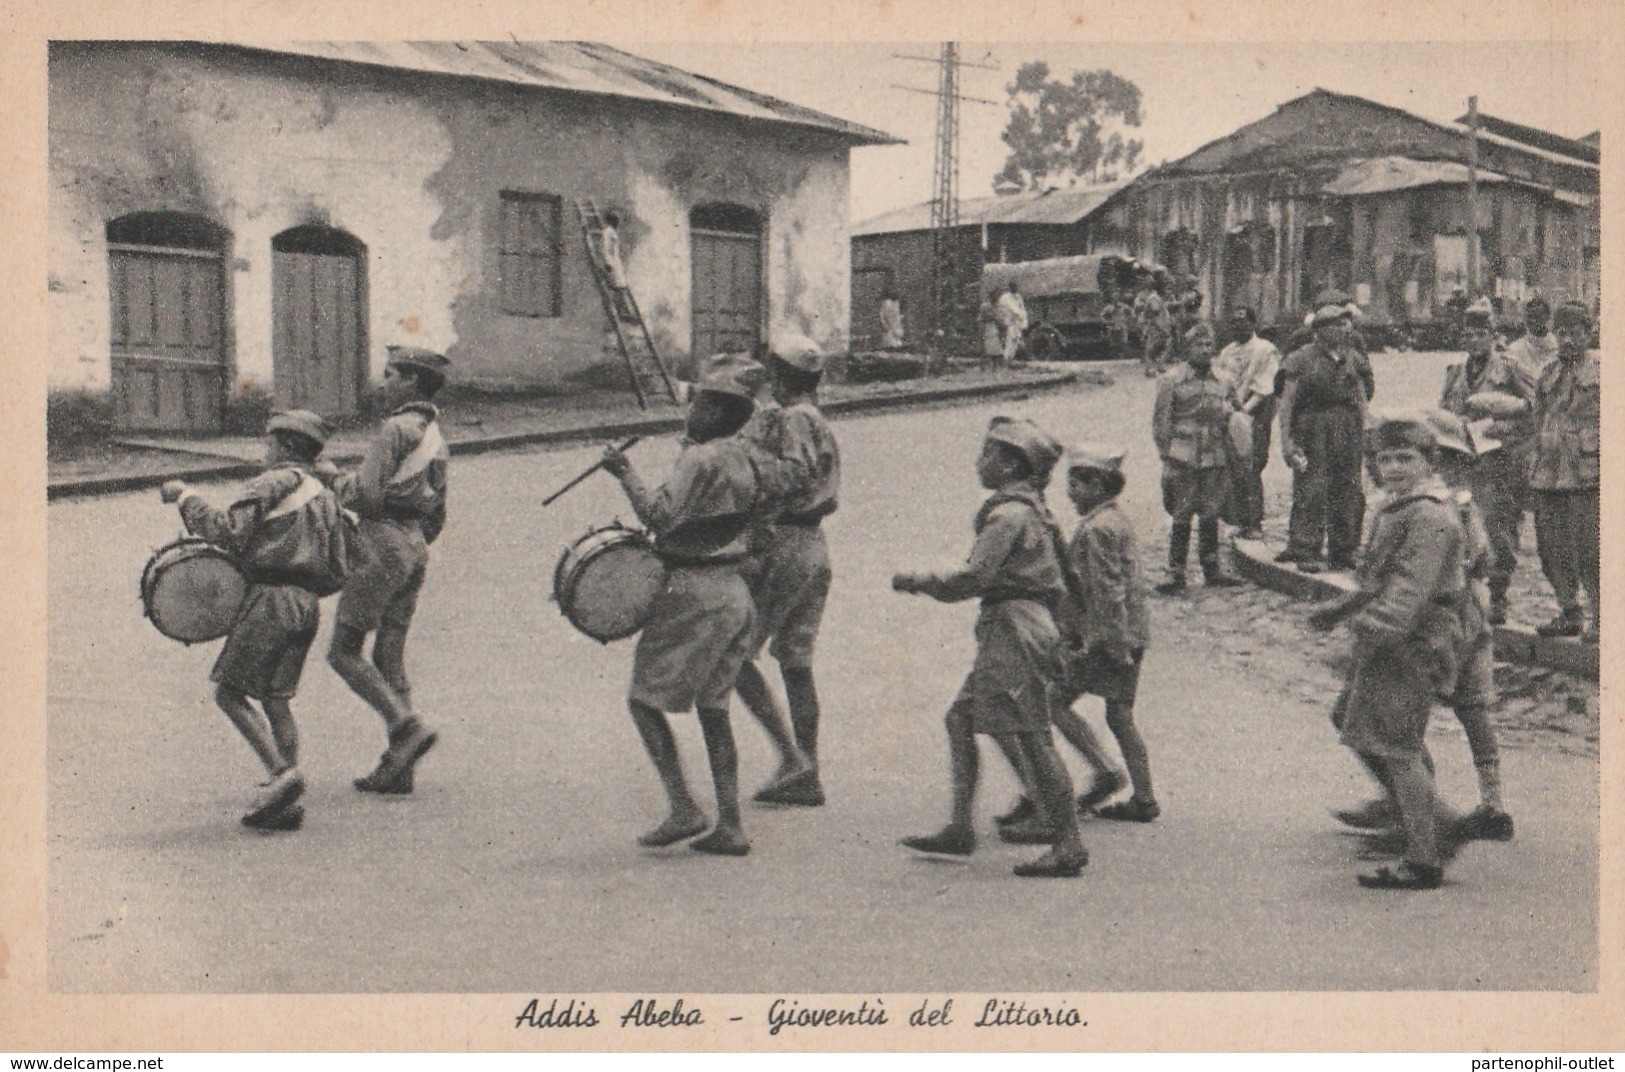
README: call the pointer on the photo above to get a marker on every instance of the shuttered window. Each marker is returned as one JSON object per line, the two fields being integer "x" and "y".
{"x": 529, "y": 254}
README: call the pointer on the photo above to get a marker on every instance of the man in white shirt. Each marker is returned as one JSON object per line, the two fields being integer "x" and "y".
{"x": 1248, "y": 368}
{"x": 1011, "y": 314}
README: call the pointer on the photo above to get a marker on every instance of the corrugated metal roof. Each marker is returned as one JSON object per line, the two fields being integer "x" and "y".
{"x": 575, "y": 67}
{"x": 1524, "y": 134}
{"x": 1048, "y": 207}
{"x": 1388, "y": 173}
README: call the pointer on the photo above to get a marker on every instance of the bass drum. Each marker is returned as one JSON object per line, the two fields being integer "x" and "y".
{"x": 606, "y": 582}
{"x": 193, "y": 590}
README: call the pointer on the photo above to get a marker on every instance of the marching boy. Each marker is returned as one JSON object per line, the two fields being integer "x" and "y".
{"x": 1191, "y": 426}
{"x": 795, "y": 575}
{"x": 400, "y": 495}
{"x": 1406, "y": 621}
{"x": 286, "y": 531}
{"x": 698, "y": 634}
{"x": 1111, "y": 632}
{"x": 1015, "y": 569}
{"x": 1475, "y": 679}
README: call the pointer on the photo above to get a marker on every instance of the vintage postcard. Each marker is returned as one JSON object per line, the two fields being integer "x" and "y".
{"x": 701, "y": 526}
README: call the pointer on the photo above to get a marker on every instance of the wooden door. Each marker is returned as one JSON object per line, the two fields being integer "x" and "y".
{"x": 727, "y": 303}
{"x": 167, "y": 353}
{"x": 318, "y": 339}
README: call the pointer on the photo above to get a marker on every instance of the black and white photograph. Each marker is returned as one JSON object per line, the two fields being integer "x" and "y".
{"x": 807, "y": 539}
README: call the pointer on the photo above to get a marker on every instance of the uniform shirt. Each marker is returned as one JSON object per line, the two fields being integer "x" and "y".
{"x": 1106, "y": 556}
{"x": 1412, "y": 572}
{"x": 285, "y": 528}
{"x": 1532, "y": 355}
{"x": 703, "y": 509}
{"x": 1568, "y": 425}
{"x": 1191, "y": 420}
{"x": 800, "y": 434}
{"x": 1328, "y": 379}
{"x": 1014, "y": 556}
{"x": 397, "y": 480}
{"x": 1248, "y": 368}
{"x": 1494, "y": 373}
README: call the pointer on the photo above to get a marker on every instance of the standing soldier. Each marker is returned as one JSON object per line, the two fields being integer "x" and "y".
{"x": 1563, "y": 473}
{"x": 1490, "y": 386}
{"x": 1323, "y": 403}
{"x": 1191, "y": 426}
{"x": 400, "y": 495}
{"x": 1249, "y": 365}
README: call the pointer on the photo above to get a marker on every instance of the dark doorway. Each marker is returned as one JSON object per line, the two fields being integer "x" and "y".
{"x": 166, "y": 283}
{"x": 727, "y": 310}
{"x": 319, "y": 319}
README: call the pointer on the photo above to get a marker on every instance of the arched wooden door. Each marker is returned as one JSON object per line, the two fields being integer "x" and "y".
{"x": 166, "y": 284}
{"x": 319, "y": 320}
{"x": 726, "y": 243}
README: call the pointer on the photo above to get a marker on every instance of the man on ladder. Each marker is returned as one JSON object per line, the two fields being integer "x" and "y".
{"x": 601, "y": 233}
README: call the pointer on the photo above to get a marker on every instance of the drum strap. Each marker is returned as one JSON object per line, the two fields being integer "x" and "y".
{"x": 309, "y": 487}
{"x": 426, "y": 451}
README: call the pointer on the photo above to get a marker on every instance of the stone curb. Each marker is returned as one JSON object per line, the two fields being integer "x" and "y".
{"x": 78, "y": 487}
{"x": 1253, "y": 559}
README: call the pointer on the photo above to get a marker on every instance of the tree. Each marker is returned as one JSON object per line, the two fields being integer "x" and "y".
{"x": 1069, "y": 130}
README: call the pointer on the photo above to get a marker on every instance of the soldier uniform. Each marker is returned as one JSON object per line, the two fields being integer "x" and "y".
{"x": 1498, "y": 474}
{"x": 1564, "y": 473}
{"x": 1323, "y": 406}
{"x": 1191, "y": 426}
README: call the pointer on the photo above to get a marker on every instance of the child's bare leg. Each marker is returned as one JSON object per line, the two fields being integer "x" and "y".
{"x": 363, "y": 677}
{"x": 254, "y": 727}
{"x": 1120, "y": 720}
{"x": 389, "y": 656}
{"x": 958, "y": 838}
{"x": 1413, "y": 788}
{"x": 728, "y": 839}
{"x": 758, "y": 700}
{"x": 1067, "y": 857}
{"x": 1078, "y": 734}
{"x": 802, "y": 695}
{"x": 685, "y": 819}
{"x": 1486, "y": 751}
{"x": 279, "y": 713}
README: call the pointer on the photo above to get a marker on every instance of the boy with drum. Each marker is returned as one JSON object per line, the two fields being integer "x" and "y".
{"x": 286, "y": 530}
{"x": 1015, "y": 569}
{"x": 699, "y": 630}
{"x": 399, "y": 492}
{"x": 794, "y": 579}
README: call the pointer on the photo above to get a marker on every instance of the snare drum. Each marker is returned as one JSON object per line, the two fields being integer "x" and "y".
{"x": 193, "y": 590}
{"x": 606, "y": 582}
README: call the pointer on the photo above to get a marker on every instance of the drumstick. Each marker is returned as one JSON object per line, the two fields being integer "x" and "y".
{"x": 628, "y": 445}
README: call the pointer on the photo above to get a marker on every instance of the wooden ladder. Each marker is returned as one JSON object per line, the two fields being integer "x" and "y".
{"x": 651, "y": 381}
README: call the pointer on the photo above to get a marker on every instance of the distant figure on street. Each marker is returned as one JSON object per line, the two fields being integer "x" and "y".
{"x": 1564, "y": 471}
{"x": 1156, "y": 323}
{"x": 1322, "y": 421}
{"x": 992, "y": 337}
{"x": 891, "y": 321}
{"x": 1248, "y": 366}
{"x": 1191, "y": 426}
{"x": 1493, "y": 392}
{"x": 1011, "y": 312}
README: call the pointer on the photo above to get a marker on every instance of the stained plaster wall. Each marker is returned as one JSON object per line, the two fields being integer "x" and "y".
{"x": 413, "y": 167}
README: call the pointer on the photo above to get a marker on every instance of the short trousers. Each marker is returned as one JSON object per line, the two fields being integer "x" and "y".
{"x": 1095, "y": 673}
{"x": 791, "y": 594}
{"x": 696, "y": 640}
{"x": 264, "y": 655}
{"x": 1187, "y": 491}
{"x": 385, "y": 579}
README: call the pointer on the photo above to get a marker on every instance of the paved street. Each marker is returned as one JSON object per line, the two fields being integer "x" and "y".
{"x": 514, "y": 868}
